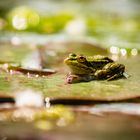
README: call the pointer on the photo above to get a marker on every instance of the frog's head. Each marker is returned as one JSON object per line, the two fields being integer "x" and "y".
{"x": 78, "y": 64}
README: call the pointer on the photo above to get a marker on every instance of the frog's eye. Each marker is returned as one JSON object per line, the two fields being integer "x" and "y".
{"x": 81, "y": 59}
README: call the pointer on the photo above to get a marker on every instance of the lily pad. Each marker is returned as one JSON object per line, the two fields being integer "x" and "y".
{"x": 54, "y": 86}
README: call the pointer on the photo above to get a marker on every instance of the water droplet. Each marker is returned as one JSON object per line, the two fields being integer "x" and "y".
{"x": 47, "y": 102}
{"x": 114, "y": 50}
{"x": 134, "y": 52}
{"x": 123, "y": 52}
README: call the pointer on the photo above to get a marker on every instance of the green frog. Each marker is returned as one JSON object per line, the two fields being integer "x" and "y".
{"x": 92, "y": 68}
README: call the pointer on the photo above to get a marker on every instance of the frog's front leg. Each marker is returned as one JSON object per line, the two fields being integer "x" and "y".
{"x": 72, "y": 78}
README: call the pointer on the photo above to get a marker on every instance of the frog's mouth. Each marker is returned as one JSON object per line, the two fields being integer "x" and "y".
{"x": 77, "y": 68}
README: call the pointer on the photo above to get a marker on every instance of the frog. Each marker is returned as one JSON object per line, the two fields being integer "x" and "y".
{"x": 97, "y": 67}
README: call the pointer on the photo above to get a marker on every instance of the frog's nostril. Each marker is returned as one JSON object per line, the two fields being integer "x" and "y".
{"x": 72, "y": 55}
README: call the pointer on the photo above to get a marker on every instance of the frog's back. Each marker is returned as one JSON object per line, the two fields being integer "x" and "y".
{"x": 99, "y": 58}
{"x": 99, "y": 61}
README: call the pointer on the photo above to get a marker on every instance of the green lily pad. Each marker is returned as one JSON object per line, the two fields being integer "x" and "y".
{"x": 55, "y": 87}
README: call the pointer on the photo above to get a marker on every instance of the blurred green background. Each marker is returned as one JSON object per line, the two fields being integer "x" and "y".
{"x": 109, "y": 22}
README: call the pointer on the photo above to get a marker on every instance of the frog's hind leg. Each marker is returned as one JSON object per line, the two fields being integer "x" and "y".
{"x": 116, "y": 71}
{"x": 115, "y": 76}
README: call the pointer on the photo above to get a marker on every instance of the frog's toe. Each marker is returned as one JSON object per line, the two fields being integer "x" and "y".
{"x": 115, "y": 76}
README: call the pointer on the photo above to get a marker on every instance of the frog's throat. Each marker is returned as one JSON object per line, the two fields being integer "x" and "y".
{"x": 78, "y": 68}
